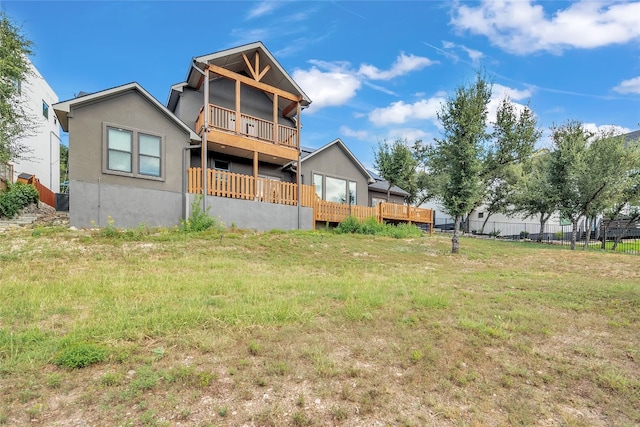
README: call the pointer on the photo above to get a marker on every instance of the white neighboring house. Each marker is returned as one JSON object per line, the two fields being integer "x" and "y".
{"x": 43, "y": 161}
{"x": 498, "y": 223}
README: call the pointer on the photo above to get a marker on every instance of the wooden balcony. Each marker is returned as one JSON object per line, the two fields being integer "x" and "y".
{"x": 242, "y": 134}
{"x": 239, "y": 186}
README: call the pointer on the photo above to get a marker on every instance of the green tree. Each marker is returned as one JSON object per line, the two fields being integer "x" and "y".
{"x": 396, "y": 163}
{"x": 64, "y": 165}
{"x": 533, "y": 193}
{"x": 513, "y": 140}
{"x": 589, "y": 172}
{"x": 15, "y": 123}
{"x": 455, "y": 161}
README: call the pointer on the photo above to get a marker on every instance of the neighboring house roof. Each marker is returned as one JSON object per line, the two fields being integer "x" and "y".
{"x": 381, "y": 185}
{"x": 232, "y": 59}
{"x": 63, "y": 108}
{"x": 631, "y": 136}
{"x": 307, "y": 153}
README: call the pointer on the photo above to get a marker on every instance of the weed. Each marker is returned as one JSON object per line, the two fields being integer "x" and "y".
{"x": 300, "y": 419}
{"x": 80, "y": 355}
{"x": 199, "y": 220}
{"x": 338, "y": 413}
{"x": 254, "y": 348}
{"x": 223, "y": 411}
{"x": 111, "y": 379}
{"x": 54, "y": 380}
{"x": 416, "y": 356}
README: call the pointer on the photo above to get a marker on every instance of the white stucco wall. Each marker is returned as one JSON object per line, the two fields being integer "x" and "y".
{"x": 44, "y": 159}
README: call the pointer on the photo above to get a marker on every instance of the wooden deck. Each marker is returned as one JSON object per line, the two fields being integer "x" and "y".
{"x": 239, "y": 186}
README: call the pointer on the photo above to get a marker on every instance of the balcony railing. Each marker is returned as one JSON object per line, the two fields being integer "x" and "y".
{"x": 252, "y": 127}
{"x": 246, "y": 187}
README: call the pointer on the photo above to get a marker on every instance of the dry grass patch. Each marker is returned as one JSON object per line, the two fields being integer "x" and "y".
{"x": 313, "y": 329}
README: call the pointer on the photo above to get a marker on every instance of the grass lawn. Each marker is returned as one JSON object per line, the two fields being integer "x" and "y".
{"x": 313, "y": 329}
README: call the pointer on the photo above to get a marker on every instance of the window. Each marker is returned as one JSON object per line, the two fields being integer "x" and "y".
{"x": 375, "y": 201}
{"x": 149, "y": 154}
{"x": 336, "y": 190}
{"x": 317, "y": 182}
{"x": 45, "y": 109}
{"x": 480, "y": 215}
{"x": 352, "y": 192}
{"x": 119, "y": 150}
{"x": 133, "y": 153}
{"x": 221, "y": 165}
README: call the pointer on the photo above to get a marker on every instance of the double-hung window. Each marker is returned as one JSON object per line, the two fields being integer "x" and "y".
{"x": 133, "y": 153}
{"x": 119, "y": 150}
{"x": 149, "y": 154}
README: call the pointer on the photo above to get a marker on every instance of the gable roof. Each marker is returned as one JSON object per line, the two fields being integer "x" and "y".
{"x": 63, "y": 108}
{"x": 233, "y": 60}
{"x": 307, "y": 153}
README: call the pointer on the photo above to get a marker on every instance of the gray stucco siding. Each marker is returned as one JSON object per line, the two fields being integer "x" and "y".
{"x": 261, "y": 216}
{"x": 93, "y": 204}
{"x": 129, "y": 111}
{"x": 334, "y": 162}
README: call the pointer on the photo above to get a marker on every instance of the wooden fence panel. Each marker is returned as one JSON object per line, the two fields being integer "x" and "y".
{"x": 46, "y": 196}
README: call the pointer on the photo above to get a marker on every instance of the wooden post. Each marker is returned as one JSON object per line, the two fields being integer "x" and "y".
{"x": 275, "y": 137}
{"x": 255, "y": 174}
{"x": 238, "y": 114}
{"x": 204, "y": 139}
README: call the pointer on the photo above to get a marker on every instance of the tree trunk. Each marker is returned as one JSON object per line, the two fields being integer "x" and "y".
{"x": 455, "y": 240}
{"x": 485, "y": 223}
{"x": 574, "y": 233}
{"x": 587, "y": 236}
{"x": 543, "y": 221}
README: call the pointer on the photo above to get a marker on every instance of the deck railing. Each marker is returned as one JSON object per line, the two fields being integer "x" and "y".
{"x": 240, "y": 186}
{"x": 337, "y": 212}
{"x": 253, "y": 127}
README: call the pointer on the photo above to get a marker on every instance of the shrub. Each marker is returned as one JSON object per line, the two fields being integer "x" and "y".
{"x": 16, "y": 197}
{"x": 371, "y": 226}
{"x": 80, "y": 355}
{"x": 349, "y": 225}
{"x": 199, "y": 220}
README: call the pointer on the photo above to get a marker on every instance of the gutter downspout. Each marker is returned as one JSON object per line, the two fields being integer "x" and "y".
{"x": 205, "y": 125}
{"x": 185, "y": 197}
{"x": 51, "y": 162}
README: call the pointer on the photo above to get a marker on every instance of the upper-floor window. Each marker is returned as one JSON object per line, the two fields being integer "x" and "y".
{"x": 45, "y": 109}
{"x": 133, "y": 153}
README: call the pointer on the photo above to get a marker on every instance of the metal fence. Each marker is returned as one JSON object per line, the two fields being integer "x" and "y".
{"x": 553, "y": 234}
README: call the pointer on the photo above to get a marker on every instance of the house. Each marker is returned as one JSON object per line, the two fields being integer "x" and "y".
{"x": 43, "y": 158}
{"x": 236, "y": 116}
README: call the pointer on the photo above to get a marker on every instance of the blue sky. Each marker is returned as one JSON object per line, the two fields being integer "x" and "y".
{"x": 375, "y": 70}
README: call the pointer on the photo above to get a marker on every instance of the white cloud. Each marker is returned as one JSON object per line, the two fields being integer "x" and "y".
{"x": 263, "y": 8}
{"x": 327, "y": 88}
{"x": 474, "y": 55}
{"x": 400, "y": 112}
{"x": 404, "y": 64}
{"x": 606, "y": 129}
{"x": 629, "y": 86}
{"x": 520, "y": 26}
{"x": 352, "y": 133}
{"x": 501, "y": 92}
{"x": 335, "y": 83}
